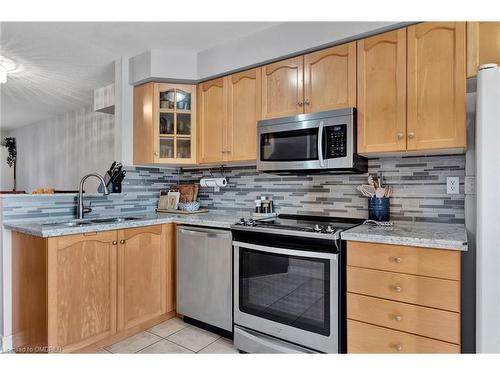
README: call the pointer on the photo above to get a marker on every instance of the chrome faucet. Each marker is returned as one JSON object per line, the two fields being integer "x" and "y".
{"x": 80, "y": 208}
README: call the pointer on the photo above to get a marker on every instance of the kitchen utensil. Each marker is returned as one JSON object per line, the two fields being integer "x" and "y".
{"x": 370, "y": 190}
{"x": 370, "y": 180}
{"x": 380, "y": 192}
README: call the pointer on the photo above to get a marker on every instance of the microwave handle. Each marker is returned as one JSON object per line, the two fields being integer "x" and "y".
{"x": 320, "y": 144}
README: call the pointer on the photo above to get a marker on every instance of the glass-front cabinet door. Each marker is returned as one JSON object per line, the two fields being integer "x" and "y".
{"x": 175, "y": 140}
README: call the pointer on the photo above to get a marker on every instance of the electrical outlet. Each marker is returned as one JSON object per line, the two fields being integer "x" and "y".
{"x": 452, "y": 185}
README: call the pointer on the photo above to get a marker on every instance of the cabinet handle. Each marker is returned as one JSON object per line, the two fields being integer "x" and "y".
{"x": 400, "y": 135}
{"x": 122, "y": 241}
{"x": 115, "y": 242}
{"x": 398, "y": 347}
{"x": 411, "y": 135}
{"x": 397, "y": 288}
{"x": 398, "y": 318}
{"x": 299, "y": 104}
{"x": 156, "y": 153}
{"x": 396, "y": 259}
{"x": 307, "y": 102}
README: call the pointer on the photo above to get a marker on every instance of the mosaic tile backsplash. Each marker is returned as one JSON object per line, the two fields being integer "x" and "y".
{"x": 419, "y": 185}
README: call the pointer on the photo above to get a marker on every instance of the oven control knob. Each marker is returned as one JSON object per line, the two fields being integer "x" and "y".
{"x": 251, "y": 223}
{"x": 330, "y": 230}
{"x": 242, "y": 221}
{"x": 318, "y": 228}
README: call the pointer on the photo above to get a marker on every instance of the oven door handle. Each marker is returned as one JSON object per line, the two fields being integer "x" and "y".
{"x": 320, "y": 144}
{"x": 278, "y": 250}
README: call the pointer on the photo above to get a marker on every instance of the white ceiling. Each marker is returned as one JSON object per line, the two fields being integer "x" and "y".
{"x": 62, "y": 62}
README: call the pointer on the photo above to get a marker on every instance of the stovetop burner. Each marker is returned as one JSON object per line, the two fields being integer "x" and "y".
{"x": 300, "y": 223}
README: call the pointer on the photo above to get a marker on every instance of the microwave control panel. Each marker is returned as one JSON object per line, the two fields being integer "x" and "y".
{"x": 336, "y": 141}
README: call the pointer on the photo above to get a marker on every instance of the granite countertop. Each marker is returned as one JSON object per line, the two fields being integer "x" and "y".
{"x": 440, "y": 236}
{"x": 52, "y": 228}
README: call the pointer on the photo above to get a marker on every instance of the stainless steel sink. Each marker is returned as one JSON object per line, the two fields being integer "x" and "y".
{"x": 69, "y": 224}
{"x": 114, "y": 220}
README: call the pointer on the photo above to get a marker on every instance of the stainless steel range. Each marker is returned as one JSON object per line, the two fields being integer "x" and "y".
{"x": 289, "y": 284}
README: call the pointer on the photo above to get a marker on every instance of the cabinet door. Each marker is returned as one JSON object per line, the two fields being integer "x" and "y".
{"x": 244, "y": 110}
{"x": 330, "y": 78}
{"x": 436, "y": 86}
{"x": 483, "y": 45}
{"x": 381, "y": 107}
{"x": 175, "y": 123}
{"x": 283, "y": 88}
{"x": 142, "y": 275}
{"x": 81, "y": 289}
{"x": 144, "y": 124}
{"x": 212, "y": 121}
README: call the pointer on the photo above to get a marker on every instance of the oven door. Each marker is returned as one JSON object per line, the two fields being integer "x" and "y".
{"x": 288, "y": 294}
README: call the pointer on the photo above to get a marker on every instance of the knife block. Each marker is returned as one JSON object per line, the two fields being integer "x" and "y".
{"x": 113, "y": 188}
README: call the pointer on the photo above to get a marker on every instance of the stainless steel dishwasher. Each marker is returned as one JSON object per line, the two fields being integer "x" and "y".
{"x": 204, "y": 275}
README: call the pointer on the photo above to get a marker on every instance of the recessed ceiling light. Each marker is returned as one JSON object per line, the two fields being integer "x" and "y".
{"x": 6, "y": 66}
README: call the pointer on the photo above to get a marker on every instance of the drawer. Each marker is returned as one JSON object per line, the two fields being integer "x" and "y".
{"x": 367, "y": 338}
{"x": 423, "y": 321}
{"x": 421, "y": 261}
{"x": 419, "y": 290}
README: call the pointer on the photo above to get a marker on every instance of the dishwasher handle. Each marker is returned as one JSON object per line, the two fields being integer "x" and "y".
{"x": 206, "y": 232}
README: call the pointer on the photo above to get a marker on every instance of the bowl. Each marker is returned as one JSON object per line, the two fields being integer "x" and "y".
{"x": 190, "y": 206}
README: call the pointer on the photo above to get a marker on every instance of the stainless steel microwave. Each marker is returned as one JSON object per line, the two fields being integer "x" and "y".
{"x": 310, "y": 142}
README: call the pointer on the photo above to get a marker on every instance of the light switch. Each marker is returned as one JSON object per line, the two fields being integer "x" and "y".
{"x": 452, "y": 185}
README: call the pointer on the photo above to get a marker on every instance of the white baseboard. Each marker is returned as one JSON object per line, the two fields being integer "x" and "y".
{"x": 6, "y": 342}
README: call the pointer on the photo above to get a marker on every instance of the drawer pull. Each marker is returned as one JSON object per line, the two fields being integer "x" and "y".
{"x": 122, "y": 241}
{"x": 397, "y": 288}
{"x": 114, "y": 242}
{"x": 396, "y": 259}
{"x": 398, "y": 318}
{"x": 398, "y": 347}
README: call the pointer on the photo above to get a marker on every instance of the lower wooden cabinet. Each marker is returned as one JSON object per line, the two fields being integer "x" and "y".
{"x": 81, "y": 286}
{"x": 367, "y": 338}
{"x": 402, "y": 299}
{"x": 90, "y": 287}
{"x": 142, "y": 275}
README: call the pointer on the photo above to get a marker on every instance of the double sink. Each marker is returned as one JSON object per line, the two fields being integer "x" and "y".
{"x": 79, "y": 223}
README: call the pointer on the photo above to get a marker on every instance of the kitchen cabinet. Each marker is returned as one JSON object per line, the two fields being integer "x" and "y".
{"x": 165, "y": 124}
{"x": 436, "y": 86}
{"x": 142, "y": 275}
{"x": 81, "y": 285}
{"x": 89, "y": 290}
{"x": 402, "y": 299}
{"x": 381, "y": 102}
{"x": 244, "y": 110}
{"x": 283, "y": 88}
{"x": 229, "y": 109}
{"x": 483, "y": 46}
{"x": 318, "y": 81}
{"x": 330, "y": 78}
{"x": 212, "y": 99}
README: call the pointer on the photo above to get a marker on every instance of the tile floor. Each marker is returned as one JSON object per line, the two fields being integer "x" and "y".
{"x": 173, "y": 336}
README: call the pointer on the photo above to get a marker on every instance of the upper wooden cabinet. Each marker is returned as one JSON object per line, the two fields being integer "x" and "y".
{"x": 318, "y": 81}
{"x": 212, "y": 101}
{"x": 283, "y": 88}
{"x": 381, "y": 104}
{"x": 436, "y": 86}
{"x": 164, "y": 124}
{"x": 229, "y": 109}
{"x": 330, "y": 78}
{"x": 142, "y": 275}
{"x": 244, "y": 110}
{"x": 483, "y": 45}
